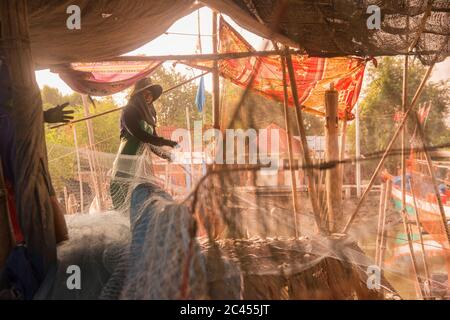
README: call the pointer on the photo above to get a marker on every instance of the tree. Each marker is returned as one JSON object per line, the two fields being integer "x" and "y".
{"x": 171, "y": 112}
{"x": 171, "y": 106}
{"x": 62, "y": 156}
{"x": 384, "y": 99}
{"x": 259, "y": 112}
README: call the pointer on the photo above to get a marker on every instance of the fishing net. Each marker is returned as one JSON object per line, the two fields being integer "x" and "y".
{"x": 343, "y": 26}
{"x": 228, "y": 232}
{"x": 323, "y": 28}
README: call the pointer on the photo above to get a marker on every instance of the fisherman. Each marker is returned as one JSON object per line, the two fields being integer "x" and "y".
{"x": 137, "y": 128}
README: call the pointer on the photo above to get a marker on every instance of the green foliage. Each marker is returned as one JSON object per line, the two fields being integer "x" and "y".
{"x": 171, "y": 106}
{"x": 61, "y": 146}
{"x": 259, "y": 112}
{"x": 171, "y": 109}
{"x": 384, "y": 98}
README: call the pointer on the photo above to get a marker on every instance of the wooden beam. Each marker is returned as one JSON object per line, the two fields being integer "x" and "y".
{"x": 289, "y": 141}
{"x": 120, "y": 108}
{"x": 32, "y": 179}
{"x": 306, "y": 156}
{"x": 215, "y": 75}
{"x": 332, "y": 177}
{"x": 206, "y": 56}
{"x": 388, "y": 148}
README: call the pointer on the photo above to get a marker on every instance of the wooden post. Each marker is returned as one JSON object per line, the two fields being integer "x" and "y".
{"x": 403, "y": 133}
{"x": 342, "y": 153}
{"x": 358, "y": 152}
{"x": 188, "y": 125}
{"x": 6, "y": 234}
{"x": 215, "y": 75}
{"x": 332, "y": 178}
{"x": 95, "y": 171}
{"x": 31, "y": 174}
{"x": 422, "y": 247}
{"x": 388, "y": 149}
{"x": 381, "y": 211}
{"x": 383, "y": 235}
{"x": 289, "y": 141}
{"x": 75, "y": 140}
{"x": 306, "y": 157}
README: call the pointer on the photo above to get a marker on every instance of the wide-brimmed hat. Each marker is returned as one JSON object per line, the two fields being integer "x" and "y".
{"x": 146, "y": 84}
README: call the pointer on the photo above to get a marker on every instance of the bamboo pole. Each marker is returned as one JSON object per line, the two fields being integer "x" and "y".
{"x": 205, "y": 56}
{"x": 381, "y": 211}
{"x": 75, "y": 140}
{"x": 199, "y": 37}
{"x": 95, "y": 173}
{"x": 436, "y": 191}
{"x": 383, "y": 237}
{"x": 403, "y": 173}
{"x": 306, "y": 157}
{"x": 411, "y": 250}
{"x": 403, "y": 133}
{"x": 120, "y": 108}
{"x": 433, "y": 179}
{"x": 342, "y": 154}
{"x": 422, "y": 246}
{"x": 289, "y": 141}
{"x": 388, "y": 149}
{"x": 358, "y": 152}
{"x": 332, "y": 175}
{"x": 215, "y": 75}
{"x": 188, "y": 125}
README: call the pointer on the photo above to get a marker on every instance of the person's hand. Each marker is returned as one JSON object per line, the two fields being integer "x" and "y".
{"x": 171, "y": 143}
{"x": 161, "y": 142}
{"x": 58, "y": 114}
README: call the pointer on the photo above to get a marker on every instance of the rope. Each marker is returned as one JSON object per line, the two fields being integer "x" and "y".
{"x": 120, "y": 108}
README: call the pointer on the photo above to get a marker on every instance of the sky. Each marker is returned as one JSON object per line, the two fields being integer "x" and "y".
{"x": 186, "y": 44}
{"x": 170, "y": 44}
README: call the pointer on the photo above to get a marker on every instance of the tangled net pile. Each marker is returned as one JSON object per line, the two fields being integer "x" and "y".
{"x": 219, "y": 240}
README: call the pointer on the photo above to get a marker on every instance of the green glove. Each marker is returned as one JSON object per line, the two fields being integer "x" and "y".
{"x": 57, "y": 114}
